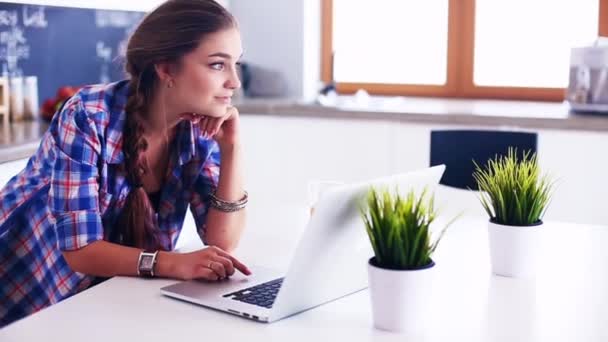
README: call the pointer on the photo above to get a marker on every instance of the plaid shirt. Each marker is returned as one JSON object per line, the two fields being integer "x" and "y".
{"x": 72, "y": 191}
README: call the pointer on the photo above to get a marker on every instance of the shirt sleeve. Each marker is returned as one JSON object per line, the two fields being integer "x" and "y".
{"x": 206, "y": 181}
{"x": 73, "y": 195}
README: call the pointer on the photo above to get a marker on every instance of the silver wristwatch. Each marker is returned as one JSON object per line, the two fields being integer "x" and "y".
{"x": 146, "y": 263}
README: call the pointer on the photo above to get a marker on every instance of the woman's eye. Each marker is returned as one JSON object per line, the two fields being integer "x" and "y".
{"x": 217, "y": 66}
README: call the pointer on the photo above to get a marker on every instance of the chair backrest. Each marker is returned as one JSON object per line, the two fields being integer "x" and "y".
{"x": 457, "y": 149}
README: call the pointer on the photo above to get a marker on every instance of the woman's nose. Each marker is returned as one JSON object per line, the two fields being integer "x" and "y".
{"x": 233, "y": 82}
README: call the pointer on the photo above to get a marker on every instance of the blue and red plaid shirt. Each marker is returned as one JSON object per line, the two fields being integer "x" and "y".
{"x": 72, "y": 191}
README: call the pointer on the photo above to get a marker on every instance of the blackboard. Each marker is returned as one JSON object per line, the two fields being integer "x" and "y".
{"x": 64, "y": 45}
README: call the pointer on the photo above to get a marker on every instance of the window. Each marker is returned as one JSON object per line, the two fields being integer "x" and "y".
{"x": 517, "y": 49}
{"x": 416, "y": 55}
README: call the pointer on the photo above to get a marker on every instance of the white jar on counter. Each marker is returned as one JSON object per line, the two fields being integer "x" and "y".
{"x": 31, "y": 110}
{"x": 15, "y": 89}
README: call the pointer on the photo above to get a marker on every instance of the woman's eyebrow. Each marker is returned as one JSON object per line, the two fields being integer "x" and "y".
{"x": 223, "y": 55}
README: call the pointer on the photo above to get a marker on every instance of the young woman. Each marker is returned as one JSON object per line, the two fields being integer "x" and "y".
{"x": 107, "y": 191}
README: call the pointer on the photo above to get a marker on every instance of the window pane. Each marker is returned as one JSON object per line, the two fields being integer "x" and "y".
{"x": 390, "y": 41}
{"x": 526, "y": 43}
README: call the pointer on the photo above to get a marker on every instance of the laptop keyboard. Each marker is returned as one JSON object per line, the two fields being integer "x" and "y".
{"x": 261, "y": 295}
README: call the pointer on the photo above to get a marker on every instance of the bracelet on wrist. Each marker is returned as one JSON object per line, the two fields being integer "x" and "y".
{"x": 228, "y": 206}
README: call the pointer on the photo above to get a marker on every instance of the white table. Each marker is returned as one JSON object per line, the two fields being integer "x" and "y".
{"x": 568, "y": 301}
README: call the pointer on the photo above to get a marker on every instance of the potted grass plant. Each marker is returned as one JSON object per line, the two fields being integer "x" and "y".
{"x": 516, "y": 196}
{"x": 400, "y": 273}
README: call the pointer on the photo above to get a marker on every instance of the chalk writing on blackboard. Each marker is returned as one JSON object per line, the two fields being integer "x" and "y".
{"x": 105, "y": 54}
{"x": 13, "y": 42}
{"x": 34, "y": 16}
{"x": 13, "y": 47}
{"x": 8, "y": 18}
{"x": 116, "y": 19}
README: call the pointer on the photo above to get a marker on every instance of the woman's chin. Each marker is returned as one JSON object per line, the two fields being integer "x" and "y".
{"x": 218, "y": 111}
{"x": 214, "y": 112}
{"x": 194, "y": 118}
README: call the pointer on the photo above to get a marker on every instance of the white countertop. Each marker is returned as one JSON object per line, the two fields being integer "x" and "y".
{"x": 568, "y": 301}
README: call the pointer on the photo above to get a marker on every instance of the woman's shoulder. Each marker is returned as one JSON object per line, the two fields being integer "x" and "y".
{"x": 106, "y": 98}
{"x": 96, "y": 111}
{"x": 101, "y": 104}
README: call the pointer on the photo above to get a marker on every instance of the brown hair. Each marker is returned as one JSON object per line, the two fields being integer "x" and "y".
{"x": 166, "y": 34}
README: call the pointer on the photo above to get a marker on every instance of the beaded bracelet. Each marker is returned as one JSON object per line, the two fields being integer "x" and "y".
{"x": 227, "y": 206}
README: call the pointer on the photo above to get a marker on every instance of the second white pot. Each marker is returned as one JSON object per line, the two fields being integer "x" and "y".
{"x": 515, "y": 250}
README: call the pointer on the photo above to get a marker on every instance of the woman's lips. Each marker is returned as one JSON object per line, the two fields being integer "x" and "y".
{"x": 224, "y": 99}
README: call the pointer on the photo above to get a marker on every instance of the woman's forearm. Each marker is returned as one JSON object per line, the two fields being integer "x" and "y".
{"x": 224, "y": 229}
{"x": 106, "y": 259}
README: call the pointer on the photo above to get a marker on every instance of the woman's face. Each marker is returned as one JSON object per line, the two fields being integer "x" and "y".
{"x": 207, "y": 77}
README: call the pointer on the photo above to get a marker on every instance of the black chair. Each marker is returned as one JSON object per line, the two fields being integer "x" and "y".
{"x": 458, "y": 148}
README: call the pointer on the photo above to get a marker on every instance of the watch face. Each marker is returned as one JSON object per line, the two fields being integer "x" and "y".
{"x": 146, "y": 262}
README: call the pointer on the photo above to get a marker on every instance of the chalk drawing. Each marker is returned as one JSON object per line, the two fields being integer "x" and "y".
{"x": 34, "y": 16}
{"x": 9, "y": 18}
{"x": 13, "y": 47}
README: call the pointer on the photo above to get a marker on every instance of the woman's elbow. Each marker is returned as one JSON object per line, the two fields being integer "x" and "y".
{"x": 74, "y": 260}
{"x": 79, "y": 260}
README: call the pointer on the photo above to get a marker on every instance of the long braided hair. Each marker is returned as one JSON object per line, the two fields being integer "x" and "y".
{"x": 166, "y": 34}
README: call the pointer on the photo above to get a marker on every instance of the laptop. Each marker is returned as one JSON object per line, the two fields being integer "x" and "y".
{"x": 330, "y": 260}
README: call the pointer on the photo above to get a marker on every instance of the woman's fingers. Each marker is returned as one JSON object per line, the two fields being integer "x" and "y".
{"x": 236, "y": 263}
{"x": 216, "y": 126}
{"x": 208, "y": 125}
{"x": 206, "y": 273}
{"x": 214, "y": 253}
{"x": 203, "y": 125}
{"x": 227, "y": 263}
{"x": 218, "y": 268}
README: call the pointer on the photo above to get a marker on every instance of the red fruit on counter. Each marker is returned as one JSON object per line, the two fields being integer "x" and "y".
{"x": 48, "y": 105}
{"x": 65, "y": 92}
{"x": 51, "y": 106}
{"x": 48, "y": 109}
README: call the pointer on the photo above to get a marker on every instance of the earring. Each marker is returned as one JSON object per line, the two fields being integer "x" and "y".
{"x": 170, "y": 84}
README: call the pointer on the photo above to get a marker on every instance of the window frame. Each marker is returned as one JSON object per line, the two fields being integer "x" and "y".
{"x": 460, "y": 61}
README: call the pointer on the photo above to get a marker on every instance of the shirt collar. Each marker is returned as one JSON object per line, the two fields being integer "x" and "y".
{"x": 186, "y": 138}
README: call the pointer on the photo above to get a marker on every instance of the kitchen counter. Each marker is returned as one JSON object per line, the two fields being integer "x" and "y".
{"x": 20, "y": 140}
{"x": 520, "y": 114}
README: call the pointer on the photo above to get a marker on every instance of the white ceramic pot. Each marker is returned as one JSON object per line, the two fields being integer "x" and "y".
{"x": 515, "y": 250}
{"x": 400, "y": 298}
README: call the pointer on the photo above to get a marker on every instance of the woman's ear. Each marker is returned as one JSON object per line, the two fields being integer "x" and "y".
{"x": 164, "y": 71}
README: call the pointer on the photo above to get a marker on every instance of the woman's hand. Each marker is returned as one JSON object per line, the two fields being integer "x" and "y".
{"x": 211, "y": 263}
{"x": 225, "y": 129}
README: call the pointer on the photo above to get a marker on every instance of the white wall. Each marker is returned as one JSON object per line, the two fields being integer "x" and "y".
{"x": 283, "y": 36}
{"x": 283, "y": 154}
